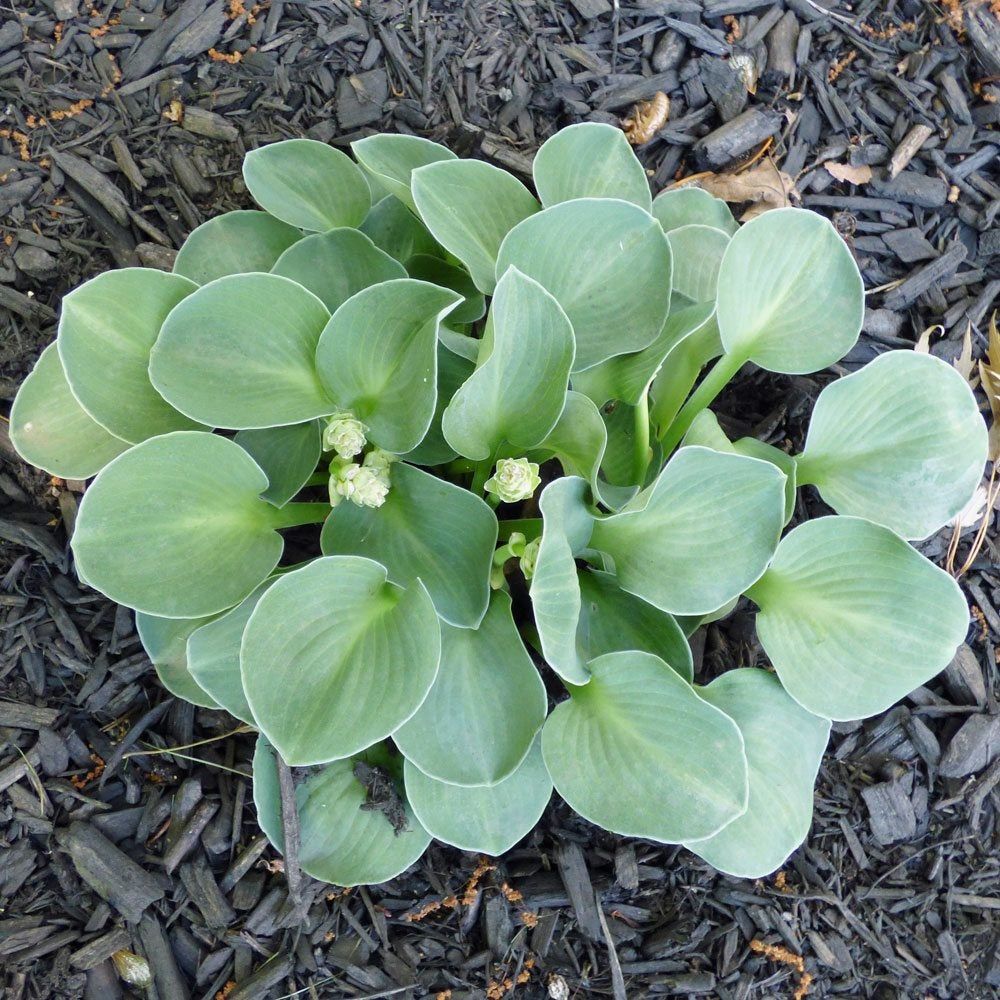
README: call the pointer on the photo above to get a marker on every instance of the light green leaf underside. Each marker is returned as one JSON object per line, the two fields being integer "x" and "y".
{"x": 234, "y": 243}
{"x": 706, "y": 532}
{"x": 853, "y": 618}
{"x": 470, "y": 206}
{"x": 487, "y": 819}
{"x": 307, "y": 184}
{"x": 213, "y": 656}
{"x": 185, "y": 509}
{"x": 165, "y": 642}
{"x": 394, "y": 229}
{"x": 680, "y": 368}
{"x": 487, "y": 704}
{"x": 393, "y": 159}
{"x": 453, "y": 370}
{"x": 790, "y": 297}
{"x": 239, "y": 353}
{"x": 591, "y": 255}
{"x": 697, "y": 255}
{"x": 427, "y": 529}
{"x": 377, "y": 356}
{"x": 784, "y": 746}
{"x": 692, "y": 207}
{"x": 627, "y": 376}
{"x": 52, "y": 431}
{"x": 517, "y": 392}
{"x": 107, "y": 328}
{"x": 334, "y": 658}
{"x": 630, "y": 752}
{"x": 435, "y": 271}
{"x": 288, "y": 456}
{"x": 589, "y": 160}
{"x": 340, "y": 842}
{"x": 555, "y": 589}
{"x": 336, "y": 264}
{"x": 901, "y": 442}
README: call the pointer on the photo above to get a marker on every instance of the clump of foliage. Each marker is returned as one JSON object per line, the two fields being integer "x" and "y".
{"x": 493, "y": 402}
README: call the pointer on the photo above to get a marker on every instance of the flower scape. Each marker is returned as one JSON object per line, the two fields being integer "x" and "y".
{"x": 393, "y": 471}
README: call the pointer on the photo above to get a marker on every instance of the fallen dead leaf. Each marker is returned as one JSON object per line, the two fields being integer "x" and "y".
{"x": 764, "y": 187}
{"x": 845, "y": 172}
{"x": 989, "y": 374}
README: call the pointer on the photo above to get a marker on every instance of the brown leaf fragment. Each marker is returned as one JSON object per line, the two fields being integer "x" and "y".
{"x": 764, "y": 187}
{"x": 845, "y": 172}
{"x": 989, "y": 374}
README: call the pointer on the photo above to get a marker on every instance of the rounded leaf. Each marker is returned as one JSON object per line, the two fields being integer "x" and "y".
{"x": 240, "y": 353}
{"x": 900, "y": 442}
{"x": 52, "y": 431}
{"x": 697, "y": 255}
{"x": 470, "y": 206}
{"x": 638, "y": 752}
{"x": 784, "y": 746}
{"x": 589, "y": 160}
{"x": 393, "y": 158}
{"x": 589, "y": 254}
{"x": 428, "y": 529}
{"x": 288, "y": 456}
{"x": 175, "y": 527}
{"x": 487, "y": 819}
{"x": 790, "y": 296}
{"x": 165, "y": 642}
{"x": 453, "y": 370}
{"x": 234, "y": 243}
{"x": 335, "y": 265}
{"x": 518, "y": 390}
{"x": 707, "y": 530}
{"x": 107, "y": 328}
{"x": 340, "y": 841}
{"x": 393, "y": 228}
{"x": 854, "y": 619}
{"x": 488, "y": 694}
{"x": 335, "y": 658}
{"x": 692, "y": 206}
{"x": 377, "y": 357}
{"x": 307, "y": 184}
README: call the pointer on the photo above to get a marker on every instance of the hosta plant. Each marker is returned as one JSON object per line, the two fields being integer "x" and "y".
{"x": 483, "y": 411}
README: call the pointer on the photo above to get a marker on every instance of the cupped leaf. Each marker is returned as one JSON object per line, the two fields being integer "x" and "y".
{"x": 392, "y": 159}
{"x": 589, "y": 160}
{"x": 587, "y": 254}
{"x": 453, "y": 370}
{"x": 213, "y": 656}
{"x": 393, "y": 228}
{"x": 307, "y": 184}
{"x": 679, "y": 370}
{"x": 486, "y": 819}
{"x": 784, "y": 746}
{"x": 555, "y": 590}
{"x": 165, "y": 642}
{"x": 239, "y": 353}
{"x": 706, "y": 531}
{"x": 234, "y": 243}
{"x": 628, "y": 752}
{"x": 52, "y": 431}
{"x": 900, "y": 442}
{"x": 436, "y": 271}
{"x": 627, "y": 376}
{"x": 692, "y": 207}
{"x": 288, "y": 456}
{"x": 107, "y": 328}
{"x": 335, "y": 658}
{"x": 489, "y": 692}
{"x": 790, "y": 296}
{"x": 175, "y": 527}
{"x": 518, "y": 390}
{"x": 697, "y": 255}
{"x": 340, "y": 841}
{"x": 470, "y": 206}
{"x": 853, "y": 618}
{"x": 378, "y": 357}
{"x": 336, "y": 264}
{"x": 427, "y": 529}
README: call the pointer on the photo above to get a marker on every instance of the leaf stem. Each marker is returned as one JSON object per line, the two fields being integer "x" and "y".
{"x": 482, "y": 473}
{"x": 713, "y": 383}
{"x": 294, "y": 514}
{"x": 641, "y": 454}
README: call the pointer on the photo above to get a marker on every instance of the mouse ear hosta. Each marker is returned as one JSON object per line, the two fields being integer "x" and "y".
{"x": 481, "y": 408}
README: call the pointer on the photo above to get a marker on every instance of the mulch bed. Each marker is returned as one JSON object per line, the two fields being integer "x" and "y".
{"x": 122, "y": 126}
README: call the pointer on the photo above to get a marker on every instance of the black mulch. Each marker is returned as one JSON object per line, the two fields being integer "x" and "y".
{"x": 122, "y": 126}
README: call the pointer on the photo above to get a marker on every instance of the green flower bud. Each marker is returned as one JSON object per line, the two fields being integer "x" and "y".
{"x": 529, "y": 557}
{"x": 379, "y": 459}
{"x": 345, "y": 435}
{"x": 514, "y": 479}
{"x": 370, "y": 487}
